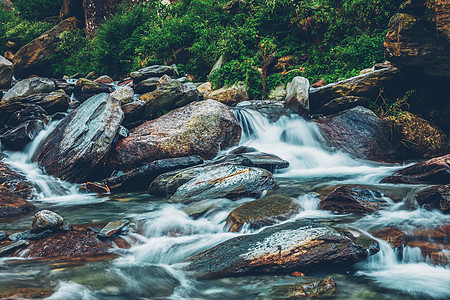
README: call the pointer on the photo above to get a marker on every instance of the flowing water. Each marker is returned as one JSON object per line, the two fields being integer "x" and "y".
{"x": 153, "y": 267}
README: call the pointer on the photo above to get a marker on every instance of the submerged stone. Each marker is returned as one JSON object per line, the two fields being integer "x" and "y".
{"x": 12, "y": 247}
{"x": 112, "y": 228}
{"x": 12, "y": 204}
{"x": 324, "y": 288}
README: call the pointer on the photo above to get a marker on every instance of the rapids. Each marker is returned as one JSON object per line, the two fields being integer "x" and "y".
{"x": 153, "y": 267}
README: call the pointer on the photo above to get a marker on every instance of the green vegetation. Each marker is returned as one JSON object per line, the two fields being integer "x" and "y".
{"x": 37, "y": 10}
{"x": 329, "y": 39}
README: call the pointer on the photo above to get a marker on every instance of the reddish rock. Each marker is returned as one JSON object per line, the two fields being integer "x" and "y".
{"x": 393, "y": 236}
{"x": 434, "y": 243}
{"x": 200, "y": 128}
{"x": 79, "y": 242}
{"x": 15, "y": 182}
{"x": 25, "y": 293}
{"x": 437, "y": 197}
{"x": 359, "y": 132}
{"x": 12, "y": 204}
{"x": 433, "y": 171}
{"x": 104, "y": 79}
{"x": 353, "y": 199}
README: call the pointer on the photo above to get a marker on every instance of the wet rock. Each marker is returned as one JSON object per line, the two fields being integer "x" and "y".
{"x": 300, "y": 245}
{"x": 104, "y": 79}
{"x": 433, "y": 171}
{"x": 216, "y": 181}
{"x": 243, "y": 149}
{"x": 124, "y": 95}
{"x": 266, "y": 161}
{"x": 14, "y": 182}
{"x": 12, "y": 204}
{"x": 420, "y": 137}
{"x": 367, "y": 85}
{"x": 353, "y": 199}
{"x": 278, "y": 93}
{"x": 95, "y": 187}
{"x": 152, "y": 71}
{"x": 140, "y": 178}
{"x": 82, "y": 140}
{"x": 200, "y": 128}
{"x": 318, "y": 289}
{"x": 29, "y": 86}
{"x": 359, "y": 132}
{"x": 2, "y": 235}
{"x": 4, "y": 250}
{"x": 197, "y": 209}
{"x": 273, "y": 110}
{"x": 46, "y": 219}
{"x": 146, "y": 86}
{"x": 342, "y": 103}
{"x": 297, "y": 97}
{"x": 393, "y": 236}
{"x": 27, "y": 112}
{"x": 32, "y": 59}
{"x": 17, "y": 138}
{"x": 112, "y": 228}
{"x": 25, "y": 293}
{"x": 134, "y": 114}
{"x": 53, "y": 102}
{"x": 436, "y": 197}
{"x": 266, "y": 211}
{"x": 86, "y": 86}
{"x": 169, "y": 94}
{"x": 229, "y": 95}
{"x": 28, "y": 235}
{"x": 433, "y": 243}
{"x": 6, "y": 73}
{"x": 79, "y": 242}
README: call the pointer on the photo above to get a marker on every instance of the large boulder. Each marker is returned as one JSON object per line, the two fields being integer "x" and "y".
{"x": 420, "y": 37}
{"x": 27, "y": 87}
{"x": 359, "y": 132}
{"x": 6, "y": 73}
{"x": 12, "y": 204}
{"x": 32, "y": 59}
{"x": 419, "y": 136}
{"x": 53, "y": 102}
{"x": 152, "y": 71}
{"x": 433, "y": 171}
{"x": 146, "y": 86}
{"x": 353, "y": 199}
{"x": 436, "y": 197}
{"x": 229, "y": 95}
{"x": 82, "y": 140}
{"x": 134, "y": 114}
{"x": 263, "y": 212}
{"x": 213, "y": 181}
{"x": 169, "y": 94}
{"x": 297, "y": 97}
{"x": 124, "y": 94}
{"x": 300, "y": 245}
{"x": 366, "y": 85}
{"x": 200, "y": 128}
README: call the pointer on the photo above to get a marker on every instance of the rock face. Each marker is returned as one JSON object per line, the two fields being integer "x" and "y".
{"x": 29, "y": 86}
{"x": 17, "y": 138}
{"x": 433, "y": 171}
{"x": 140, "y": 178}
{"x": 46, "y": 219}
{"x": 31, "y": 59}
{"x": 353, "y": 199}
{"x": 82, "y": 139}
{"x": 169, "y": 94}
{"x": 342, "y": 103}
{"x": 15, "y": 182}
{"x": 420, "y": 37}
{"x": 362, "y": 134}
{"x": 437, "y": 197}
{"x": 263, "y": 212}
{"x": 300, "y": 245}
{"x": 12, "y": 204}
{"x": 297, "y": 97}
{"x": 367, "y": 85}
{"x": 229, "y": 95}
{"x": 152, "y": 71}
{"x": 215, "y": 181}
{"x": 6, "y": 73}
{"x": 420, "y": 137}
{"x": 200, "y": 128}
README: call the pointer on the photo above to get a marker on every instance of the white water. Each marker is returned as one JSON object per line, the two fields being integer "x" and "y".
{"x": 49, "y": 189}
{"x": 301, "y": 143}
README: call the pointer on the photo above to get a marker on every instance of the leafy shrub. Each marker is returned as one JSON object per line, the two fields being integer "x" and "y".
{"x": 38, "y": 9}
{"x": 26, "y": 31}
{"x": 7, "y": 20}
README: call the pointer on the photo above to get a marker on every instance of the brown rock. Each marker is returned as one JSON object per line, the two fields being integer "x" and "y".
{"x": 353, "y": 199}
{"x": 25, "y": 293}
{"x": 229, "y": 95}
{"x": 263, "y": 212}
{"x": 200, "y": 128}
{"x": 433, "y": 171}
{"x": 15, "y": 182}
{"x": 6, "y": 73}
{"x": 104, "y": 79}
{"x": 436, "y": 197}
{"x": 32, "y": 58}
{"x": 433, "y": 243}
{"x": 11, "y": 204}
{"x": 318, "y": 289}
{"x": 393, "y": 236}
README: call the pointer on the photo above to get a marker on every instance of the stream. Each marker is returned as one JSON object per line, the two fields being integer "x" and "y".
{"x": 165, "y": 235}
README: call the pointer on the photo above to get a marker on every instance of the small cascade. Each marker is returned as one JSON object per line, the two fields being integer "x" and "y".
{"x": 302, "y": 144}
{"x": 49, "y": 188}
